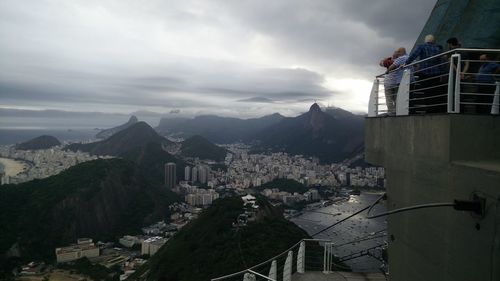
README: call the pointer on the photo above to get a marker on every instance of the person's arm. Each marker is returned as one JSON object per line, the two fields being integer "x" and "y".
{"x": 466, "y": 68}
{"x": 415, "y": 54}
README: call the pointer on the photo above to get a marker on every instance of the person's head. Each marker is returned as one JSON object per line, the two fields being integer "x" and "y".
{"x": 484, "y": 57}
{"x": 401, "y": 51}
{"x": 429, "y": 38}
{"x": 453, "y": 43}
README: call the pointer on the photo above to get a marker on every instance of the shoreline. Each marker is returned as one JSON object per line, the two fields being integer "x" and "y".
{"x": 13, "y": 167}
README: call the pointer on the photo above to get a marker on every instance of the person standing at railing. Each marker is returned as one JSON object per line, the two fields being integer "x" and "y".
{"x": 485, "y": 79}
{"x": 453, "y": 43}
{"x": 389, "y": 99}
{"x": 429, "y": 73}
{"x": 393, "y": 77}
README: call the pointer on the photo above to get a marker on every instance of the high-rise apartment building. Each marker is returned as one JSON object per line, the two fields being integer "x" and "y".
{"x": 170, "y": 172}
{"x": 187, "y": 173}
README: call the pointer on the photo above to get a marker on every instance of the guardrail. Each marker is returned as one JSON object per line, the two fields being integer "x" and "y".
{"x": 306, "y": 255}
{"x": 448, "y": 90}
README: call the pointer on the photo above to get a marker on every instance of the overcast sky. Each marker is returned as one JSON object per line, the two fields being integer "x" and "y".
{"x": 240, "y": 58}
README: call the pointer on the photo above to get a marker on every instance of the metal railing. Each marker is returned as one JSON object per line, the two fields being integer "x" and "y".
{"x": 306, "y": 255}
{"x": 448, "y": 89}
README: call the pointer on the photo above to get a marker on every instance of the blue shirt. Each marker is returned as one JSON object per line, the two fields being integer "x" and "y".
{"x": 485, "y": 72}
{"x": 424, "y": 51}
{"x": 394, "y": 77}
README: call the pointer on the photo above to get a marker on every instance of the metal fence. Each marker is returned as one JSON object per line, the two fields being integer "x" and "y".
{"x": 462, "y": 81}
{"x": 306, "y": 255}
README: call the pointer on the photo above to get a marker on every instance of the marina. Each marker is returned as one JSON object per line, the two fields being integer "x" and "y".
{"x": 354, "y": 238}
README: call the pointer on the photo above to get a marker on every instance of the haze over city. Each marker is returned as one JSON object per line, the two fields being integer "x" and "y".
{"x": 231, "y": 58}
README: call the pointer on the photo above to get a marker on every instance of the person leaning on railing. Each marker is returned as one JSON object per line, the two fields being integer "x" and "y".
{"x": 485, "y": 80}
{"x": 453, "y": 43}
{"x": 390, "y": 100}
{"x": 393, "y": 77}
{"x": 429, "y": 73}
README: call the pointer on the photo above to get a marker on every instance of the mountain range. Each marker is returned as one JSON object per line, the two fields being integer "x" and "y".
{"x": 218, "y": 129}
{"x": 331, "y": 135}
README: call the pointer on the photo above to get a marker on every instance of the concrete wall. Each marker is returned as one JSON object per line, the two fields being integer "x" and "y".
{"x": 438, "y": 159}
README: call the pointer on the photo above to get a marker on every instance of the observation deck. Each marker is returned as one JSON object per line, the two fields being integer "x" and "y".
{"x": 440, "y": 143}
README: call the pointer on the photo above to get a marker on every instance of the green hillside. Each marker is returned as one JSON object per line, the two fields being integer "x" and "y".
{"x": 202, "y": 148}
{"x": 209, "y": 246}
{"x": 284, "y": 185}
{"x": 151, "y": 159}
{"x": 101, "y": 199}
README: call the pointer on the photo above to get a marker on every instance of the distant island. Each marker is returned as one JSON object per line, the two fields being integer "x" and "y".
{"x": 41, "y": 142}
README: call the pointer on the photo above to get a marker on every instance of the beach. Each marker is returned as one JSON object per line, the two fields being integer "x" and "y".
{"x": 12, "y": 167}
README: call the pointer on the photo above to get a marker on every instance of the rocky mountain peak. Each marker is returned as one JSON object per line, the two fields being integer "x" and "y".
{"x": 314, "y": 108}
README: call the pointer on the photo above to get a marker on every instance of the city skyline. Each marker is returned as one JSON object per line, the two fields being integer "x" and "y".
{"x": 189, "y": 58}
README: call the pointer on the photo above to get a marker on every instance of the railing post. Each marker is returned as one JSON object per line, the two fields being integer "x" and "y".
{"x": 327, "y": 257}
{"x": 273, "y": 271}
{"x": 287, "y": 270}
{"x": 403, "y": 95}
{"x": 495, "y": 107}
{"x": 301, "y": 257}
{"x": 451, "y": 90}
{"x": 373, "y": 103}
{"x": 457, "y": 83}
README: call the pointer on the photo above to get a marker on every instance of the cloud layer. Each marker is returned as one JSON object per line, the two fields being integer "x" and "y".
{"x": 237, "y": 58}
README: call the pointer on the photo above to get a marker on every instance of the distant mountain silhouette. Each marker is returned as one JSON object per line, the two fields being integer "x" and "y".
{"x": 102, "y": 199}
{"x": 218, "y": 129}
{"x": 104, "y": 134}
{"x": 137, "y": 135}
{"x": 330, "y": 136}
{"x": 41, "y": 142}
{"x": 198, "y": 146}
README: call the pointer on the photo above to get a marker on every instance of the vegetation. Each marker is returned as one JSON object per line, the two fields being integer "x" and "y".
{"x": 210, "y": 246}
{"x": 95, "y": 271}
{"x": 286, "y": 185}
{"x": 151, "y": 159}
{"x": 102, "y": 199}
{"x": 198, "y": 146}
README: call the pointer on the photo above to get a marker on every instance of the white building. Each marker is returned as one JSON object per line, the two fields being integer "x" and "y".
{"x": 151, "y": 245}
{"x": 84, "y": 248}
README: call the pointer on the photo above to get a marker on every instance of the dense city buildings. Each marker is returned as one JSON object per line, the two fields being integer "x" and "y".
{"x": 42, "y": 163}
